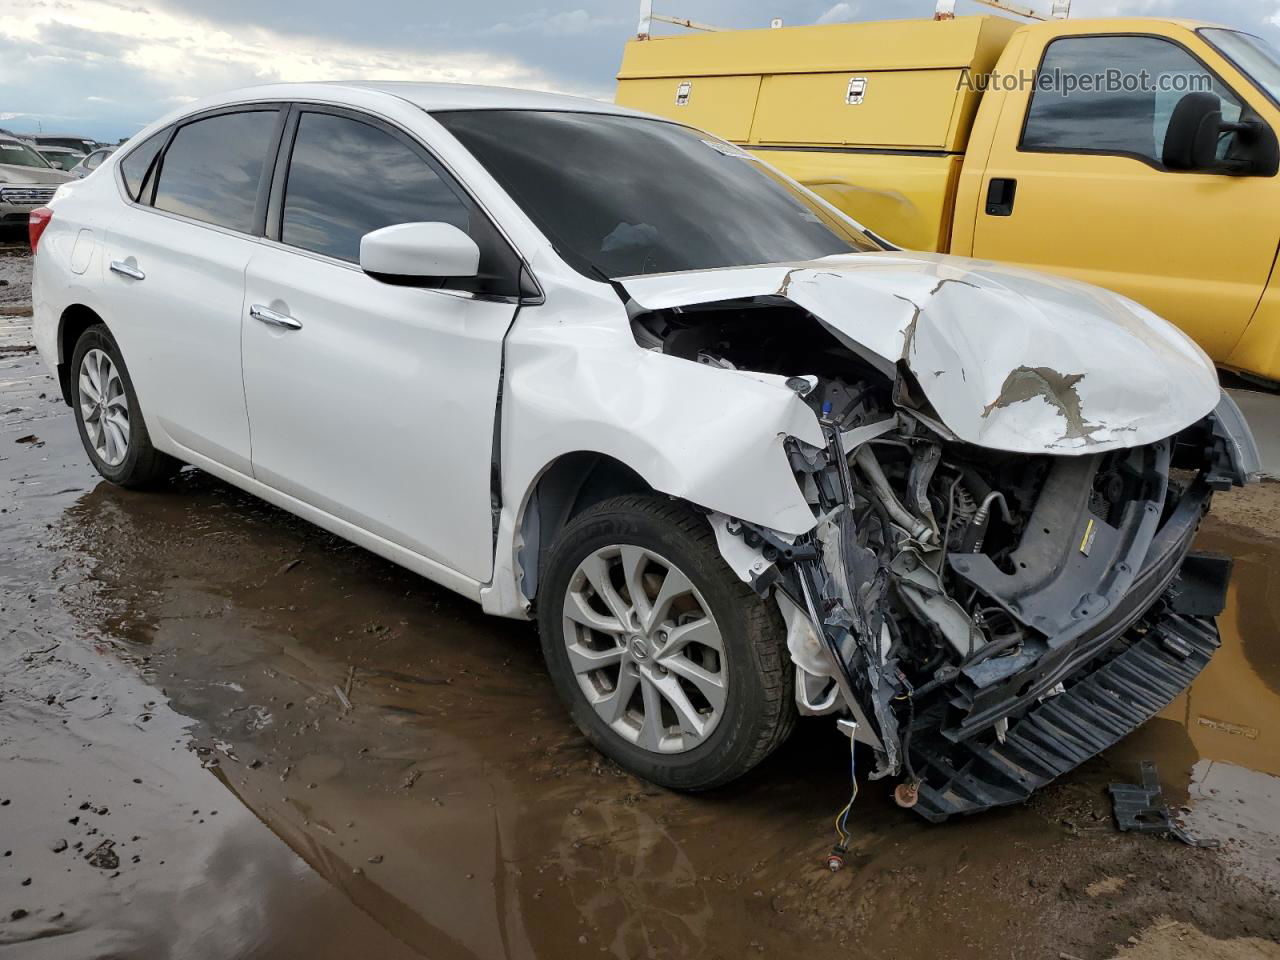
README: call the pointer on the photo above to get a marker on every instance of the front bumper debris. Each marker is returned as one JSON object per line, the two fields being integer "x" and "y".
{"x": 1155, "y": 660}
{"x": 982, "y": 653}
{"x": 1141, "y": 808}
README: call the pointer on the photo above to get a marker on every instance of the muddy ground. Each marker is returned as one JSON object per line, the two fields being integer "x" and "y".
{"x": 15, "y": 275}
{"x": 181, "y": 775}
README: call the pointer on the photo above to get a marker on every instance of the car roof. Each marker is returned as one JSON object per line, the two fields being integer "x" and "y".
{"x": 474, "y": 96}
{"x": 431, "y": 97}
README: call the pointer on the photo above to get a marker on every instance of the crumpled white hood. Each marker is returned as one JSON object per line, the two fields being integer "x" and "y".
{"x": 1010, "y": 359}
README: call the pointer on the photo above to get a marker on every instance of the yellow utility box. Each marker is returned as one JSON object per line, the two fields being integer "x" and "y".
{"x": 875, "y": 117}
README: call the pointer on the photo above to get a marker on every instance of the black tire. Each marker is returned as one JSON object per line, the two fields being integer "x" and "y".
{"x": 143, "y": 465}
{"x": 759, "y": 711}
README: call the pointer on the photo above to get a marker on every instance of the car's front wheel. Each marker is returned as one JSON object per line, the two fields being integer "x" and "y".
{"x": 108, "y": 416}
{"x": 667, "y": 661}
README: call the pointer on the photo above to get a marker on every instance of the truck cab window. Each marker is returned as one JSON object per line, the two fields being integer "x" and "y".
{"x": 1115, "y": 95}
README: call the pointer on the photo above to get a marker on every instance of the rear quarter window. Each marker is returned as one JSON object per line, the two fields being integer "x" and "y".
{"x": 134, "y": 167}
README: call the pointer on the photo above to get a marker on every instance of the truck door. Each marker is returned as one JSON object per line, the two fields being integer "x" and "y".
{"x": 1076, "y": 184}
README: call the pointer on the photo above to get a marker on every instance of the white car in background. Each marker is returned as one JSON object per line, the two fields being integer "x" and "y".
{"x": 739, "y": 459}
{"x": 91, "y": 162}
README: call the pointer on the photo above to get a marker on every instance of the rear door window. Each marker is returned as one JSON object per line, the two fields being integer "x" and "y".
{"x": 214, "y": 170}
{"x": 347, "y": 178}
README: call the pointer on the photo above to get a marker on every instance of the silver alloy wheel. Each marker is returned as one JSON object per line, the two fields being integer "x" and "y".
{"x": 104, "y": 407}
{"x": 646, "y": 651}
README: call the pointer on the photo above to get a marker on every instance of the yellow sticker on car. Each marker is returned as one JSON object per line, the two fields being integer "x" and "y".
{"x": 1086, "y": 542}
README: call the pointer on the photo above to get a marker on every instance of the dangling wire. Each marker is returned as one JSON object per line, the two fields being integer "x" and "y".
{"x": 835, "y": 860}
{"x": 910, "y": 697}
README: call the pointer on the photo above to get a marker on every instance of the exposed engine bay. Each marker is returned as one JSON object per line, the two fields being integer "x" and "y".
{"x": 984, "y": 620}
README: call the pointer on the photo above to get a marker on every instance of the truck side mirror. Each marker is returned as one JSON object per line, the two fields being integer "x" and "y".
{"x": 1196, "y": 128}
{"x": 1191, "y": 142}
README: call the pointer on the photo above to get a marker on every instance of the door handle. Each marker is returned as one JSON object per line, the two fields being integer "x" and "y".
{"x": 127, "y": 270}
{"x": 1000, "y": 195}
{"x": 272, "y": 318}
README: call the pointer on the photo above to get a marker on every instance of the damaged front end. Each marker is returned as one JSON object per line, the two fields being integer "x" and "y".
{"x": 992, "y": 621}
{"x": 988, "y": 618}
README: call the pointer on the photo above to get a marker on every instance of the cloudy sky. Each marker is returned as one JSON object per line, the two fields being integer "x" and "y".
{"x": 105, "y": 68}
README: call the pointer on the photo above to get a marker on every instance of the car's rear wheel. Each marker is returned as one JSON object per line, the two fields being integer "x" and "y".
{"x": 108, "y": 416}
{"x": 667, "y": 661}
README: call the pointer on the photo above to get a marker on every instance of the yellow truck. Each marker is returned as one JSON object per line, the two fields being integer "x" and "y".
{"x": 1136, "y": 154}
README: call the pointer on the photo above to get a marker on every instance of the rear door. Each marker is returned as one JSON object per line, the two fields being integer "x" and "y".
{"x": 174, "y": 274}
{"x": 376, "y": 402}
{"x": 1075, "y": 184}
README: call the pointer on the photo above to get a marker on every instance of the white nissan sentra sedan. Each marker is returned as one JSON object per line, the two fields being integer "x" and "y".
{"x": 740, "y": 459}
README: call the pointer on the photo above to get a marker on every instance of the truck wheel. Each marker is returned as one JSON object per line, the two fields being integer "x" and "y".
{"x": 108, "y": 416}
{"x": 668, "y": 663}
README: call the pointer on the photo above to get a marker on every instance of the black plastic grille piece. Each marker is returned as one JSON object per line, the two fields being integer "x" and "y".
{"x": 1157, "y": 660}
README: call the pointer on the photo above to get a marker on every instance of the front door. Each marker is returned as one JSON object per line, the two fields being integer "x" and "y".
{"x": 1076, "y": 184}
{"x": 373, "y": 402}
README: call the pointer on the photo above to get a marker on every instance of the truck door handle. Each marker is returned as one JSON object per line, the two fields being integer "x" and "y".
{"x": 1000, "y": 194}
{"x": 127, "y": 270}
{"x": 272, "y": 318}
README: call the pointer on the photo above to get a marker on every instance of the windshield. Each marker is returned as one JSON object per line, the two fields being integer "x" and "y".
{"x": 1252, "y": 55}
{"x": 71, "y": 143}
{"x": 18, "y": 154}
{"x": 620, "y": 196}
{"x": 63, "y": 161}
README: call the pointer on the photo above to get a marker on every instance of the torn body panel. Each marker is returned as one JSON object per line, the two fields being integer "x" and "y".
{"x": 1009, "y": 360}
{"x": 576, "y": 381}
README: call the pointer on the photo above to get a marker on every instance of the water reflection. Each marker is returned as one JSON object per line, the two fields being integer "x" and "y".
{"x": 1232, "y": 712}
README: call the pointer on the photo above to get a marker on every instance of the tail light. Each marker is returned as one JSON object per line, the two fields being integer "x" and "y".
{"x": 38, "y": 220}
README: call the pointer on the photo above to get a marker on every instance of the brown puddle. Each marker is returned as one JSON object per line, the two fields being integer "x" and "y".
{"x": 1218, "y": 745}
{"x": 1233, "y": 712}
{"x": 204, "y": 644}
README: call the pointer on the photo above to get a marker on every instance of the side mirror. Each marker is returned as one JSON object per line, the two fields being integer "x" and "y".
{"x": 414, "y": 254}
{"x": 1195, "y": 130}
{"x": 1191, "y": 142}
